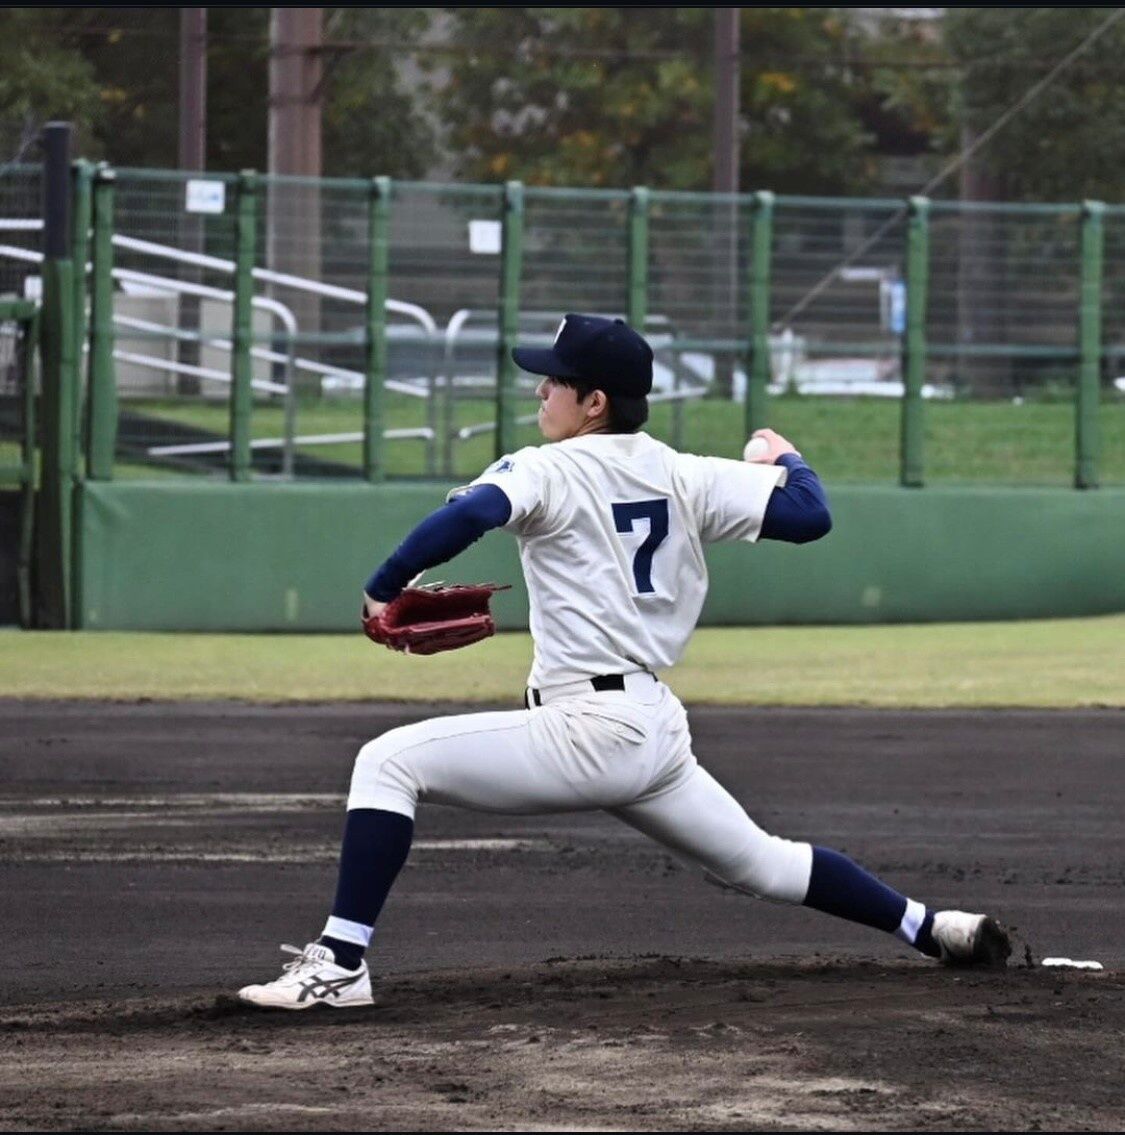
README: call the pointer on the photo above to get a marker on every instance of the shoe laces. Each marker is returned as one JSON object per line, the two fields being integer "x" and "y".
{"x": 303, "y": 960}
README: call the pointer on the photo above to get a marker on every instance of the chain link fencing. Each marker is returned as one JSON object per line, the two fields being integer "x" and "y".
{"x": 1002, "y": 344}
{"x": 19, "y": 389}
{"x": 21, "y": 229}
{"x": 1002, "y": 335}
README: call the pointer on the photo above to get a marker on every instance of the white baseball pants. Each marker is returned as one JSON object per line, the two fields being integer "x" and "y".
{"x": 626, "y": 752}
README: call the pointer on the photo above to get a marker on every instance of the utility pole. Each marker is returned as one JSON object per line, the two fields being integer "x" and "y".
{"x": 295, "y": 112}
{"x": 296, "y": 74}
{"x": 727, "y": 75}
{"x": 193, "y": 88}
{"x": 192, "y": 156}
{"x": 727, "y": 81}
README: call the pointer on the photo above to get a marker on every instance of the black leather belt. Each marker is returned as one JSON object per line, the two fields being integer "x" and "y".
{"x": 599, "y": 682}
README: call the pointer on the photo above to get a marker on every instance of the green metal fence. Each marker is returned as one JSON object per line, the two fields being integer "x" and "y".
{"x": 237, "y": 326}
{"x": 19, "y": 326}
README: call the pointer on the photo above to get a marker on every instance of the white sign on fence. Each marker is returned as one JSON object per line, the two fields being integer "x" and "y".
{"x": 205, "y": 196}
{"x": 484, "y": 237}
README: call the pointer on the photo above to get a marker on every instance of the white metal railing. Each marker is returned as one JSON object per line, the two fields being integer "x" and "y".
{"x": 299, "y": 363}
{"x": 133, "y": 281}
{"x": 131, "y": 278}
{"x": 166, "y": 284}
{"x": 263, "y": 353}
{"x": 350, "y": 438}
{"x": 340, "y": 376}
{"x": 268, "y": 276}
{"x": 13, "y": 252}
{"x": 209, "y": 373}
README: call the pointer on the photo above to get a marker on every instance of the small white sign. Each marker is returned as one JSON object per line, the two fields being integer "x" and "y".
{"x": 205, "y": 196}
{"x": 33, "y": 288}
{"x": 484, "y": 237}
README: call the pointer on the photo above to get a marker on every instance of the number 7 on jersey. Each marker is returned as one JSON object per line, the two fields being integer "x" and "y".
{"x": 625, "y": 514}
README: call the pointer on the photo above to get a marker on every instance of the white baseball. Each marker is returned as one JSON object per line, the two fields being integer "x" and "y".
{"x": 756, "y": 447}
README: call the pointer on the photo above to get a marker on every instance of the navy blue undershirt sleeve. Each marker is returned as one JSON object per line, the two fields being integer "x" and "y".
{"x": 440, "y": 537}
{"x": 798, "y": 511}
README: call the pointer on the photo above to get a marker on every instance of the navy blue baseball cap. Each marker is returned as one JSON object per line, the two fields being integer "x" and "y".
{"x": 607, "y": 353}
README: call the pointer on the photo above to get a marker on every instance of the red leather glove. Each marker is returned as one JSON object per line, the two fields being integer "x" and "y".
{"x": 428, "y": 620}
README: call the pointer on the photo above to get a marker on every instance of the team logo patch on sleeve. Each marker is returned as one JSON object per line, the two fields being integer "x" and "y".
{"x": 504, "y": 465}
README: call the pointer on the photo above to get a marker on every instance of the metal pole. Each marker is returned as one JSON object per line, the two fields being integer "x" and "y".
{"x": 53, "y": 553}
{"x": 289, "y": 444}
{"x": 511, "y": 261}
{"x": 83, "y": 173}
{"x": 445, "y": 367}
{"x": 913, "y": 428}
{"x": 638, "y": 257}
{"x": 56, "y": 190}
{"x": 1087, "y": 440}
{"x": 726, "y": 180}
{"x": 378, "y": 253}
{"x": 242, "y": 331}
{"x": 294, "y": 147}
{"x": 192, "y": 156}
{"x": 758, "y": 362}
{"x": 101, "y": 405}
{"x": 25, "y": 555}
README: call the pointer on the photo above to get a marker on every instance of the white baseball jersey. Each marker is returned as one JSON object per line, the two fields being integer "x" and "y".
{"x": 611, "y": 529}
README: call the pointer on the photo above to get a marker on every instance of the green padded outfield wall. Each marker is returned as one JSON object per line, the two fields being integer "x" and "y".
{"x": 259, "y": 557}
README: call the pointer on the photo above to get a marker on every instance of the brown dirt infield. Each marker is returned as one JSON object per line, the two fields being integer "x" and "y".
{"x": 553, "y": 973}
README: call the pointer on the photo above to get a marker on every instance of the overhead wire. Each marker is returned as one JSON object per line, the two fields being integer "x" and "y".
{"x": 417, "y": 47}
{"x": 953, "y": 166}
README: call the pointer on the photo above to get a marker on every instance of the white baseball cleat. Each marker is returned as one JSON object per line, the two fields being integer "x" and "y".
{"x": 970, "y": 939}
{"x": 312, "y": 978}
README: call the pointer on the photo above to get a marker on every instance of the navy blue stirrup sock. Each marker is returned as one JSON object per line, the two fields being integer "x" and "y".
{"x": 843, "y": 888}
{"x": 347, "y": 954}
{"x": 925, "y": 939}
{"x": 376, "y": 844}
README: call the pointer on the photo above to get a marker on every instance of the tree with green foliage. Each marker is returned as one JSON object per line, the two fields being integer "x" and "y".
{"x": 115, "y": 73}
{"x": 374, "y": 123}
{"x": 570, "y": 96}
{"x": 621, "y": 96}
{"x": 42, "y": 77}
{"x": 529, "y": 95}
{"x": 133, "y": 56}
{"x": 802, "y": 102}
{"x": 1066, "y": 144}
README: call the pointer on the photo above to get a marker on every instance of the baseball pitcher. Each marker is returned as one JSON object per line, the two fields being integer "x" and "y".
{"x": 611, "y": 526}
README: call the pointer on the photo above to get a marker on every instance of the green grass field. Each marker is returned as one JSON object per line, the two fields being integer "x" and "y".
{"x": 1051, "y": 663}
{"x": 1061, "y": 663}
{"x": 846, "y": 439}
